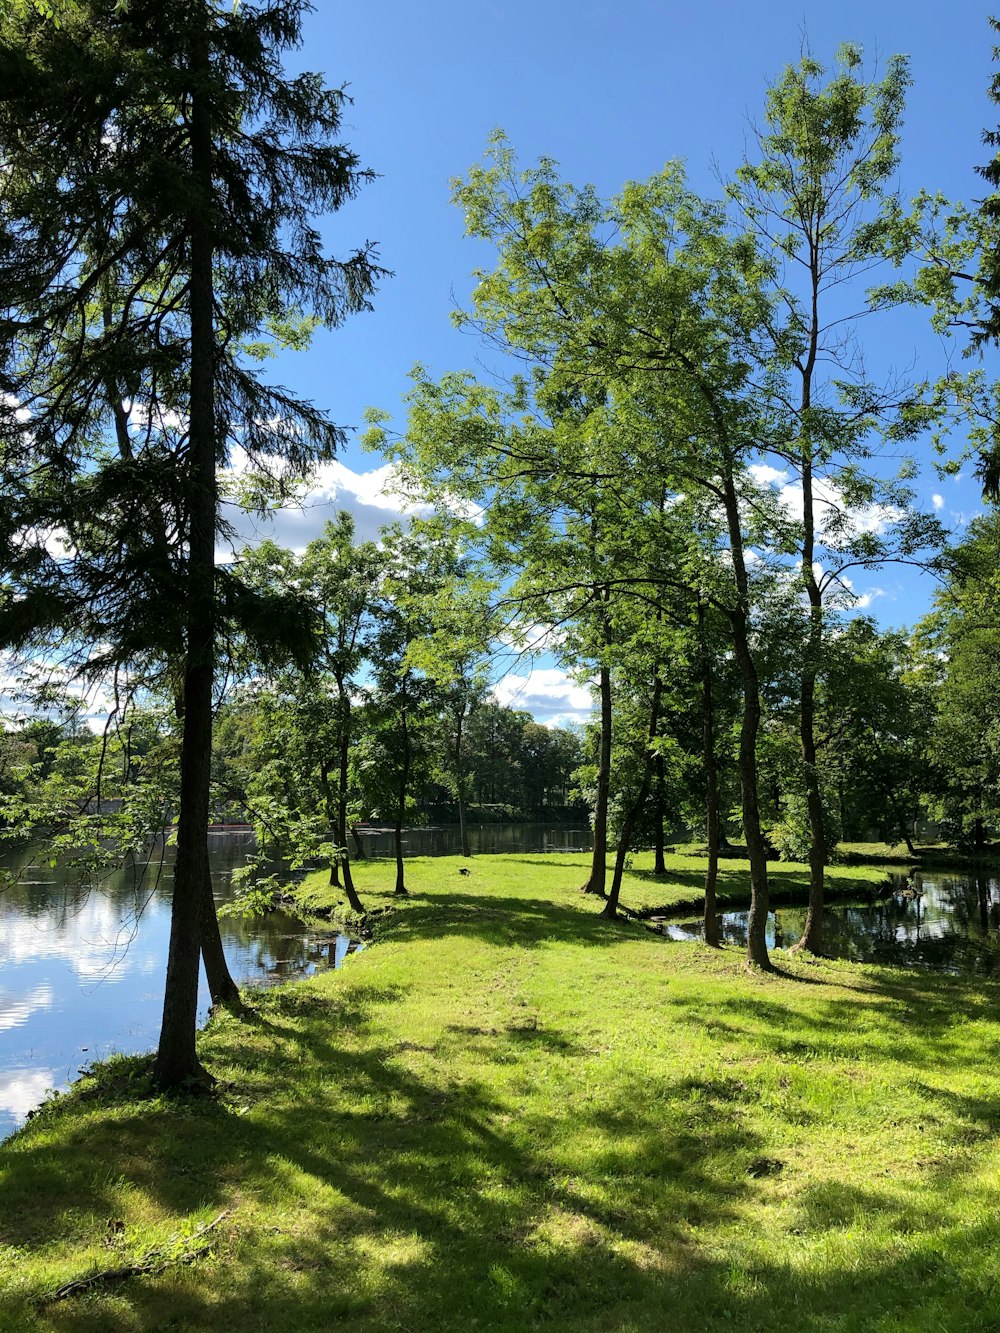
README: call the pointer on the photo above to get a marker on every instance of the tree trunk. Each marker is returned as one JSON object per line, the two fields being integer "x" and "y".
{"x": 711, "y": 784}
{"x": 460, "y": 781}
{"x": 330, "y": 809}
{"x": 625, "y": 840}
{"x": 659, "y": 861}
{"x": 404, "y": 781}
{"x": 902, "y": 825}
{"x": 221, "y": 986}
{"x": 599, "y": 865}
{"x": 812, "y": 933}
{"x": 358, "y": 845}
{"x": 176, "y": 1057}
{"x": 353, "y": 901}
{"x": 738, "y": 616}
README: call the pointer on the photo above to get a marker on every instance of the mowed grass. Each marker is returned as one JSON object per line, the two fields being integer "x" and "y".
{"x": 510, "y": 1114}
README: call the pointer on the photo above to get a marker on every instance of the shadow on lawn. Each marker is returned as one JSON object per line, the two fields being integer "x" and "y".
{"x": 527, "y": 922}
{"x": 406, "y": 1202}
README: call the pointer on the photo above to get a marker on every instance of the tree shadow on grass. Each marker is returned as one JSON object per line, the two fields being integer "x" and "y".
{"x": 527, "y": 922}
{"x": 367, "y": 1157}
{"x": 402, "y": 1200}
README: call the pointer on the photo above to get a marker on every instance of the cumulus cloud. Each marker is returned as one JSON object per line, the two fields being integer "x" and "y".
{"x": 548, "y": 693}
{"x": 373, "y": 498}
{"x": 938, "y": 501}
{"x": 837, "y": 521}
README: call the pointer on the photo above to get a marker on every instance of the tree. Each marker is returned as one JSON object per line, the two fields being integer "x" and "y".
{"x": 639, "y": 351}
{"x": 179, "y": 170}
{"x": 827, "y": 163}
{"x": 338, "y": 579}
{"x": 963, "y": 638}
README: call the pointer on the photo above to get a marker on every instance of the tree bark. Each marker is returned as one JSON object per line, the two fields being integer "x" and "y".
{"x": 738, "y": 616}
{"x": 635, "y": 809}
{"x": 221, "y": 986}
{"x": 659, "y": 861}
{"x": 353, "y": 900}
{"x": 812, "y": 933}
{"x": 404, "y": 782}
{"x": 597, "y": 879}
{"x": 713, "y": 822}
{"x": 460, "y": 780}
{"x": 176, "y": 1058}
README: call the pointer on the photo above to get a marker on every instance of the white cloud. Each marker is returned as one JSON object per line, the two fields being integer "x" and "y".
{"x": 372, "y": 497}
{"x": 548, "y": 693}
{"x": 938, "y": 501}
{"x": 764, "y": 475}
{"x": 837, "y": 522}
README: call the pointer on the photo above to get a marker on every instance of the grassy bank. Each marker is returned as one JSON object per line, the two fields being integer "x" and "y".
{"x": 939, "y": 855}
{"x": 680, "y": 890}
{"x": 509, "y": 1114}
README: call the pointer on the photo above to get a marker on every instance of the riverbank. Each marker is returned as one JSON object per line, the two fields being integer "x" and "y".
{"x": 934, "y": 855}
{"x": 512, "y": 1114}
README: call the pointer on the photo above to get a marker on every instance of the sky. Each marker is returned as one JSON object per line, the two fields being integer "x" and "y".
{"x": 612, "y": 91}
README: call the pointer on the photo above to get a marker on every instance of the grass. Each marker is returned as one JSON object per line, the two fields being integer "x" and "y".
{"x": 510, "y": 1114}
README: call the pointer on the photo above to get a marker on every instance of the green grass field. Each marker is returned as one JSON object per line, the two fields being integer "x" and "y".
{"x": 509, "y": 1114}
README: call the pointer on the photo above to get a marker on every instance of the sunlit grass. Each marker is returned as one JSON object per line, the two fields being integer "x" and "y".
{"x": 509, "y": 1113}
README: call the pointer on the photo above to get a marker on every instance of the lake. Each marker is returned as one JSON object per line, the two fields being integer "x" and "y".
{"x": 82, "y": 970}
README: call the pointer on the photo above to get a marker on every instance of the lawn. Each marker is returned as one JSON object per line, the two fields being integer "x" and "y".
{"x": 508, "y": 1114}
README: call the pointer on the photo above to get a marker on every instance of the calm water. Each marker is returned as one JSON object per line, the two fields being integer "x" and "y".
{"x": 80, "y": 979}
{"x": 954, "y": 926}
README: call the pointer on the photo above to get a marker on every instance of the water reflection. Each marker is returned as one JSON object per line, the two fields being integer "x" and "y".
{"x": 947, "y": 922}
{"x": 81, "y": 969}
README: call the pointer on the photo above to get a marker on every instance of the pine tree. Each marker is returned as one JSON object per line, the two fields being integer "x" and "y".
{"x": 166, "y": 171}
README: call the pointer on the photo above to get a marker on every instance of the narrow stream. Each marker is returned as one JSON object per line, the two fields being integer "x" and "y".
{"x": 950, "y": 923}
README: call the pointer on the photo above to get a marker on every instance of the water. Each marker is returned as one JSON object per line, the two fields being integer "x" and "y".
{"x": 954, "y": 926}
{"x": 79, "y": 980}
{"x": 445, "y": 839}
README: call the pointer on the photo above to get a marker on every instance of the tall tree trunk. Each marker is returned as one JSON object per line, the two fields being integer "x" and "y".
{"x": 176, "y": 1057}
{"x": 635, "y": 809}
{"x": 330, "y": 807}
{"x": 738, "y": 616}
{"x": 597, "y": 879}
{"x": 460, "y": 780}
{"x": 221, "y": 986}
{"x": 812, "y": 933}
{"x": 358, "y": 845}
{"x": 659, "y": 813}
{"x": 354, "y": 902}
{"x": 404, "y": 782}
{"x": 713, "y": 821}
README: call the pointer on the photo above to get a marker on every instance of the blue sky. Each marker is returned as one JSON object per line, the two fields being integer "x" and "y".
{"x": 611, "y": 91}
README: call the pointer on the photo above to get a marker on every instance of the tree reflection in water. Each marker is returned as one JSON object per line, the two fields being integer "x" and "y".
{"x": 952, "y": 924}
